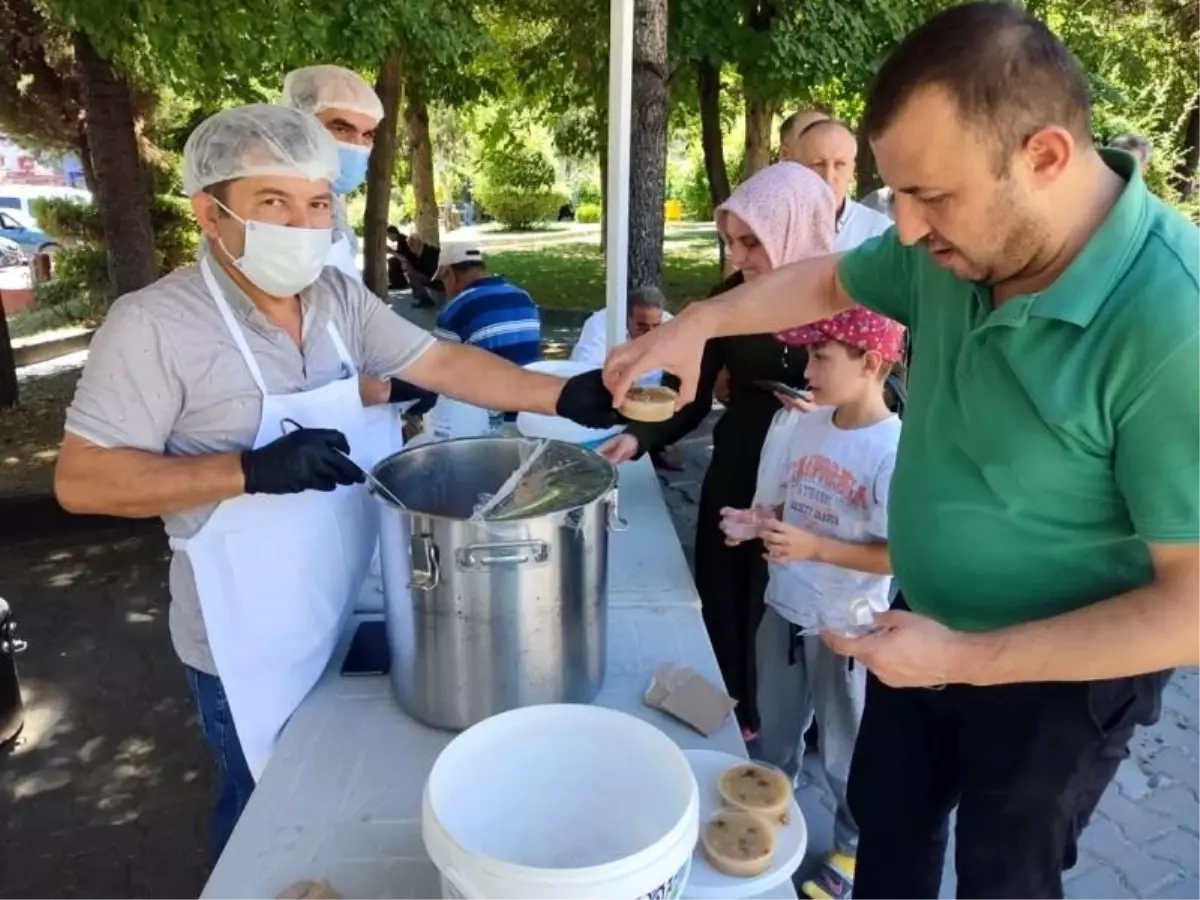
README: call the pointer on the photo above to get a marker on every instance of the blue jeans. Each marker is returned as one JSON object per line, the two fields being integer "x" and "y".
{"x": 234, "y": 781}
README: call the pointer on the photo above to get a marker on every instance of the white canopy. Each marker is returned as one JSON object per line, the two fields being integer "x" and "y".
{"x": 620, "y": 93}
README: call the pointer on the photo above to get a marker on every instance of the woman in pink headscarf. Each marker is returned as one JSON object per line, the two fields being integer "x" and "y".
{"x": 780, "y": 215}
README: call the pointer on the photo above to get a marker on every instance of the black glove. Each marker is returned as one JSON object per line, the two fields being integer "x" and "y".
{"x": 586, "y": 401}
{"x": 304, "y": 460}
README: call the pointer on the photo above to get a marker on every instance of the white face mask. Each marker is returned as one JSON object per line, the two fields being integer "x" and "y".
{"x": 279, "y": 259}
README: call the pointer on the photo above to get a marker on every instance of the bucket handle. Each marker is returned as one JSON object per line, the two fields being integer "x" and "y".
{"x": 615, "y": 522}
{"x": 518, "y": 553}
{"x": 427, "y": 576}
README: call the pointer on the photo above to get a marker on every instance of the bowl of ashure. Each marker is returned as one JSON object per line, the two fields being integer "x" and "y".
{"x": 752, "y": 833}
{"x": 649, "y": 403}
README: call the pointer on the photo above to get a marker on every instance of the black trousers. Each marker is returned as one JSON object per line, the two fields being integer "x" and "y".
{"x": 731, "y": 581}
{"x": 1025, "y": 764}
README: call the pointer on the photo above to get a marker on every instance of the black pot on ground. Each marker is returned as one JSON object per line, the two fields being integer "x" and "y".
{"x": 12, "y": 709}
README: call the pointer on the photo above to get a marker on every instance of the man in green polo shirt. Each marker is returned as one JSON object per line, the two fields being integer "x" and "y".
{"x": 1044, "y": 517}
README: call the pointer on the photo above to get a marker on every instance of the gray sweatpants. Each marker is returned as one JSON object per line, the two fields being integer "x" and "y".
{"x": 819, "y": 683}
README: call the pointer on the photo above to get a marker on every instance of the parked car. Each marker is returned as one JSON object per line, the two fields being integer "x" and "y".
{"x": 19, "y": 197}
{"x": 21, "y": 231}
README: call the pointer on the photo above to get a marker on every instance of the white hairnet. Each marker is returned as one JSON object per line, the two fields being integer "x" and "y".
{"x": 258, "y": 140}
{"x": 315, "y": 89}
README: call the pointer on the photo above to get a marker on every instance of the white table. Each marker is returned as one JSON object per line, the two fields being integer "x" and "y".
{"x": 341, "y": 797}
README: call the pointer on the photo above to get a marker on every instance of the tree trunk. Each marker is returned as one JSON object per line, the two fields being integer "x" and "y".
{"x": 1189, "y": 162}
{"x": 9, "y": 394}
{"x": 379, "y": 177}
{"x": 866, "y": 176}
{"x": 117, "y": 170}
{"x": 759, "y": 116}
{"x": 84, "y": 149}
{"x": 420, "y": 164}
{"x": 708, "y": 86}
{"x": 648, "y": 143}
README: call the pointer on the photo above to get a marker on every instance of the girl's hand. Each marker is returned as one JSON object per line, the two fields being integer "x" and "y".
{"x": 619, "y": 448}
{"x": 786, "y": 543}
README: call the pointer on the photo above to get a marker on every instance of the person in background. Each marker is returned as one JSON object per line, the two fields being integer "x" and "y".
{"x": 350, "y": 111}
{"x": 781, "y": 214}
{"x": 468, "y": 207}
{"x": 1044, "y": 522}
{"x": 484, "y": 310}
{"x": 793, "y": 126}
{"x": 252, "y": 435}
{"x": 827, "y": 552}
{"x": 830, "y": 148}
{"x": 1139, "y": 147}
{"x": 645, "y": 309}
{"x": 410, "y": 260}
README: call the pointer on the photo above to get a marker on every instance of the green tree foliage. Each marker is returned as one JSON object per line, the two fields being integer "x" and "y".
{"x": 517, "y": 186}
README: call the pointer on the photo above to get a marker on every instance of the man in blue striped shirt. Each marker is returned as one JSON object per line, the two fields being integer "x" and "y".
{"x": 485, "y": 310}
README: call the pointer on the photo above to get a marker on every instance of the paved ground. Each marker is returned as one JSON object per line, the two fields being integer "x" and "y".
{"x": 107, "y": 794}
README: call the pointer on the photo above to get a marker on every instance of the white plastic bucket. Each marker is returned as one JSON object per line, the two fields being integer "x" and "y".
{"x": 536, "y": 425}
{"x": 561, "y": 801}
{"x": 455, "y": 419}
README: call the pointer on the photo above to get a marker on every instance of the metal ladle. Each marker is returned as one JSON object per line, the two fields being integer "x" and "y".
{"x": 285, "y": 425}
{"x": 375, "y": 483}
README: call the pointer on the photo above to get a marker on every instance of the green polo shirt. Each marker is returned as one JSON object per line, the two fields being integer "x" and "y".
{"x": 1047, "y": 442}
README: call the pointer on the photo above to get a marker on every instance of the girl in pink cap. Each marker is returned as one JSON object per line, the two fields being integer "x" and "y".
{"x": 781, "y": 214}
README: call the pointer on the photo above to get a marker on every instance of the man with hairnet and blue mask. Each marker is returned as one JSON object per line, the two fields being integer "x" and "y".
{"x": 351, "y": 111}
{"x": 224, "y": 398}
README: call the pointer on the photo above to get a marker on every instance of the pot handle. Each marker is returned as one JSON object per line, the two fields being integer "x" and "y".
{"x": 427, "y": 575}
{"x": 480, "y": 556}
{"x": 615, "y": 522}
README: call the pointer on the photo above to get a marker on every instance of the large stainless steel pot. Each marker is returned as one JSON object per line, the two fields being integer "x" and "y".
{"x": 484, "y": 617}
{"x": 12, "y": 709}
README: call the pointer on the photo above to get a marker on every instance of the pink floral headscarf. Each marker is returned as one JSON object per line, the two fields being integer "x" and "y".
{"x": 789, "y": 209}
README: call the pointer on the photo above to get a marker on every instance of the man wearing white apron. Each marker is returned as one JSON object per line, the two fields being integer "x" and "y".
{"x": 351, "y": 111}
{"x": 224, "y": 398}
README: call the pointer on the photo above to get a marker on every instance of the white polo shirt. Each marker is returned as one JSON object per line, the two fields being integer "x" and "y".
{"x": 592, "y": 346}
{"x": 856, "y": 225}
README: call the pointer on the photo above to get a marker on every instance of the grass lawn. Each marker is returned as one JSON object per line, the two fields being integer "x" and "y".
{"x": 41, "y": 319}
{"x": 571, "y": 276}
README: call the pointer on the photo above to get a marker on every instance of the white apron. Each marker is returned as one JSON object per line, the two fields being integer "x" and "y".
{"x": 341, "y": 256}
{"x": 278, "y": 574}
{"x": 385, "y": 417}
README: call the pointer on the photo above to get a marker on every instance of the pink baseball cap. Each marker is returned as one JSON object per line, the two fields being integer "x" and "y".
{"x": 856, "y": 327}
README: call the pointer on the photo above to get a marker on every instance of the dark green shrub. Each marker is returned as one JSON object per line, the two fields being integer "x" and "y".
{"x": 519, "y": 210}
{"x": 589, "y": 194}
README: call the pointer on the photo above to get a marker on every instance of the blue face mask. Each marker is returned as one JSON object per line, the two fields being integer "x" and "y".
{"x": 352, "y": 164}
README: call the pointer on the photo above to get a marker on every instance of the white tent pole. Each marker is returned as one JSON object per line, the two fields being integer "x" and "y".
{"x": 620, "y": 97}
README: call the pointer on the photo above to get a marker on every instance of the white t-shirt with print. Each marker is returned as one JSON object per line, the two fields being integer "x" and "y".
{"x": 837, "y": 487}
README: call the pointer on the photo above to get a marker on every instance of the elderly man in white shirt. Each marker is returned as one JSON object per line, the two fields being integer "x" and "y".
{"x": 645, "y": 311}
{"x": 829, "y": 148}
